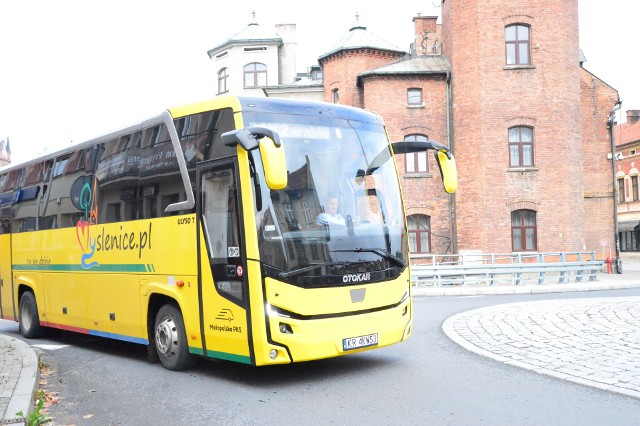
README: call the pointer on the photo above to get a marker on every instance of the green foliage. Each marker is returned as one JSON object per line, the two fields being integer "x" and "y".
{"x": 35, "y": 418}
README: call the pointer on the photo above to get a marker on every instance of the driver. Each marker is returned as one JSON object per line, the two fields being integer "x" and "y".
{"x": 330, "y": 215}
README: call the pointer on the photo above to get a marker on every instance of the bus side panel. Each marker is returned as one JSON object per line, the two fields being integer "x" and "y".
{"x": 66, "y": 303}
{"x": 99, "y": 304}
{"x": 6, "y": 288}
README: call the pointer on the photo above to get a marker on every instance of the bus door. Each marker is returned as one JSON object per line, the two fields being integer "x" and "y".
{"x": 6, "y": 288}
{"x": 222, "y": 262}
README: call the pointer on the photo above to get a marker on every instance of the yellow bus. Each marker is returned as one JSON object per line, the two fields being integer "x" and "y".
{"x": 261, "y": 231}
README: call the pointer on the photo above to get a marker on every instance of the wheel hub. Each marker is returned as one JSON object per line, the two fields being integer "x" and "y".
{"x": 167, "y": 337}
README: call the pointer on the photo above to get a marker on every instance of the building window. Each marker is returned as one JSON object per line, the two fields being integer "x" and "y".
{"x": 255, "y": 75}
{"x": 419, "y": 233}
{"x": 518, "y": 44}
{"x": 60, "y": 166}
{"x": 621, "y": 190}
{"x": 416, "y": 162}
{"x": 520, "y": 147}
{"x": 316, "y": 74}
{"x": 223, "y": 76}
{"x": 635, "y": 195}
{"x": 335, "y": 96}
{"x": 524, "y": 230}
{"x": 414, "y": 96}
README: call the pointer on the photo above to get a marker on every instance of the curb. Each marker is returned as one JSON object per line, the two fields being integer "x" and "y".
{"x": 22, "y": 397}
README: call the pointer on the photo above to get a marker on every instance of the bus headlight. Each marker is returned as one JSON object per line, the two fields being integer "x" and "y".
{"x": 285, "y": 328}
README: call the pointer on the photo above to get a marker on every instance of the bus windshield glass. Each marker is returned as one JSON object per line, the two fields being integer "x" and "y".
{"x": 339, "y": 221}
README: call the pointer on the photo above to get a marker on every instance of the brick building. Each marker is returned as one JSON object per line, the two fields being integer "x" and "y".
{"x": 502, "y": 84}
{"x": 627, "y": 139}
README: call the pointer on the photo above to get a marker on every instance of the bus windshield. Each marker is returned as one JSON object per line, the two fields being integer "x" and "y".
{"x": 340, "y": 220}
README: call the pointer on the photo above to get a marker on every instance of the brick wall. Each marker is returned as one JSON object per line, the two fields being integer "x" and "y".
{"x": 340, "y": 71}
{"x": 597, "y": 100}
{"x": 489, "y": 97}
{"x": 569, "y": 185}
{"x": 423, "y": 193}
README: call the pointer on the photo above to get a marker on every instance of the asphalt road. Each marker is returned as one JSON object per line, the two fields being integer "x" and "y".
{"x": 427, "y": 380}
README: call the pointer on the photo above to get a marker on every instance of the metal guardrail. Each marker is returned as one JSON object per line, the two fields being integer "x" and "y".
{"x": 504, "y": 269}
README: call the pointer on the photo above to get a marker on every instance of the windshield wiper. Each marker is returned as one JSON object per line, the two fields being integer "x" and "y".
{"x": 312, "y": 267}
{"x": 380, "y": 252}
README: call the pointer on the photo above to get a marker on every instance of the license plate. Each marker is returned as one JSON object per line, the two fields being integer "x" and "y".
{"x": 359, "y": 342}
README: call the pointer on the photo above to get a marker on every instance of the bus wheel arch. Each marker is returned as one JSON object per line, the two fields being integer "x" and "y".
{"x": 169, "y": 338}
{"x": 28, "y": 316}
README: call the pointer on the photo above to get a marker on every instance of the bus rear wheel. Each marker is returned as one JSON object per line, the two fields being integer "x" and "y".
{"x": 171, "y": 339}
{"x": 29, "y": 321}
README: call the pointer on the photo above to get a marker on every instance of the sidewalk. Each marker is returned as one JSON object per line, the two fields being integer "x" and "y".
{"x": 19, "y": 364}
{"x": 18, "y": 379}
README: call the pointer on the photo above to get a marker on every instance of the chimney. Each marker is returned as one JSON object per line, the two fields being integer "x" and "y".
{"x": 427, "y": 38}
{"x": 287, "y": 53}
{"x": 633, "y": 115}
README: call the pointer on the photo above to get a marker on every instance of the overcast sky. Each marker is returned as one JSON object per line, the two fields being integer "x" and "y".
{"x": 74, "y": 69}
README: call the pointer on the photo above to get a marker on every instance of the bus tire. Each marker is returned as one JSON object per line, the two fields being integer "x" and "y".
{"x": 170, "y": 338}
{"x": 29, "y": 321}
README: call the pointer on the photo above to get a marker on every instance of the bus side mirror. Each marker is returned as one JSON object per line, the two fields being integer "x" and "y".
{"x": 444, "y": 158}
{"x": 271, "y": 151}
{"x": 273, "y": 163}
{"x": 448, "y": 170}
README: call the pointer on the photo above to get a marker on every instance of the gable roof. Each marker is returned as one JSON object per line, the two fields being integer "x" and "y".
{"x": 420, "y": 65}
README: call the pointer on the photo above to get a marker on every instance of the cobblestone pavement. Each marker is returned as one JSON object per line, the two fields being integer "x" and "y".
{"x": 10, "y": 366}
{"x": 594, "y": 342}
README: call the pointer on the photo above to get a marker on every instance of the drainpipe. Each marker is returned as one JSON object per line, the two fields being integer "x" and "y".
{"x": 611, "y": 123}
{"x": 450, "y": 144}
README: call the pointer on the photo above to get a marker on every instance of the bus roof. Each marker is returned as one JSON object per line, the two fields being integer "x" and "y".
{"x": 238, "y": 104}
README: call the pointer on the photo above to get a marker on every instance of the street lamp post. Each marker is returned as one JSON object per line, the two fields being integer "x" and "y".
{"x": 612, "y": 122}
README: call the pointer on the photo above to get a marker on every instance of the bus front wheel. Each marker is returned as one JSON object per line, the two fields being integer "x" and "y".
{"x": 171, "y": 339}
{"x": 29, "y": 322}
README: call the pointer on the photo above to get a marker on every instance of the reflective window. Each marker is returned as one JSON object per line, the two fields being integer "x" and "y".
{"x": 334, "y": 217}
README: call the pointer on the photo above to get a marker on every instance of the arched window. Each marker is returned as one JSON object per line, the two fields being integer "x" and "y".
{"x": 521, "y": 146}
{"x": 255, "y": 75}
{"x": 518, "y": 44}
{"x": 335, "y": 96}
{"x": 416, "y": 162}
{"x": 419, "y": 233}
{"x": 223, "y": 76}
{"x": 524, "y": 230}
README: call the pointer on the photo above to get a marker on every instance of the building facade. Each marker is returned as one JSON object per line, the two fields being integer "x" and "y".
{"x": 5, "y": 153}
{"x": 502, "y": 84}
{"x": 627, "y": 139}
{"x": 260, "y": 62}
